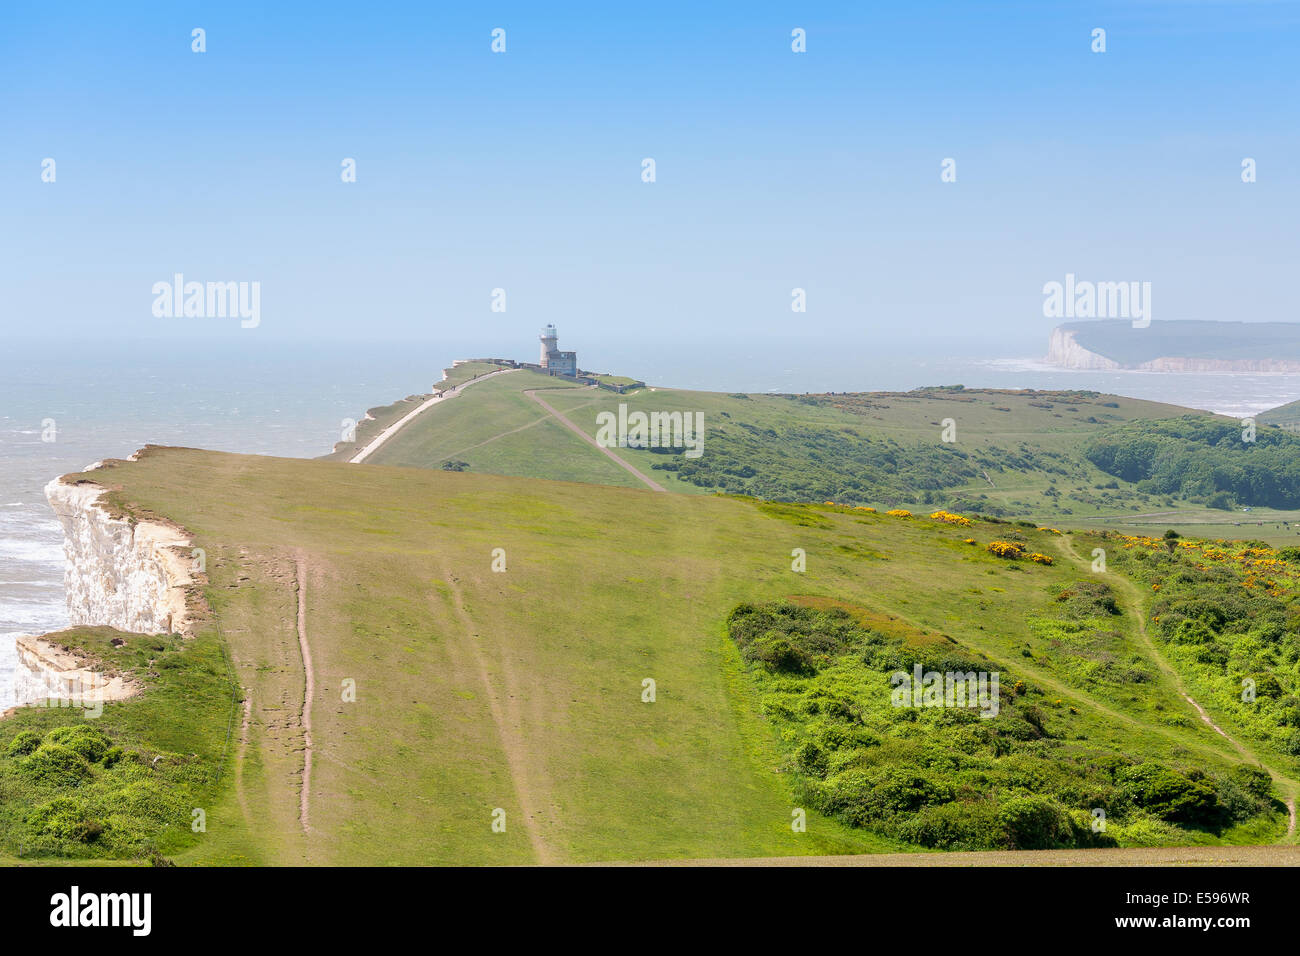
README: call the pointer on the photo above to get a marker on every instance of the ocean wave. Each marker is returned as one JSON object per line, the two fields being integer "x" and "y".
{"x": 32, "y": 552}
{"x": 38, "y": 618}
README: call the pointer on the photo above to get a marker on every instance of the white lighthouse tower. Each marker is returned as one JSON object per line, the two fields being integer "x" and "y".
{"x": 550, "y": 339}
{"x": 555, "y": 362}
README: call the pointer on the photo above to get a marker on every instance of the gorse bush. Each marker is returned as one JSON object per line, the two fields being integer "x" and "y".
{"x": 90, "y": 797}
{"x": 82, "y": 738}
{"x": 55, "y": 765}
{"x": 1228, "y": 616}
{"x": 944, "y": 777}
{"x": 1005, "y": 549}
{"x": 24, "y": 743}
{"x": 1088, "y": 598}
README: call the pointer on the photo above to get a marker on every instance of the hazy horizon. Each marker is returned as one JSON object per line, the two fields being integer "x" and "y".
{"x": 522, "y": 170}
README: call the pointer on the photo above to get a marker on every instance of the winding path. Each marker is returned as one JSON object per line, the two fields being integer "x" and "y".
{"x": 1066, "y": 544}
{"x": 397, "y": 426}
{"x": 309, "y": 690}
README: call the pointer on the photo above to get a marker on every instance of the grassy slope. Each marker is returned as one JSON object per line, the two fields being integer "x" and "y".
{"x": 378, "y": 418}
{"x": 1284, "y": 416}
{"x": 374, "y": 422}
{"x": 501, "y": 431}
{"x": 495, "y": 428}
{"x": 522, "y": 690}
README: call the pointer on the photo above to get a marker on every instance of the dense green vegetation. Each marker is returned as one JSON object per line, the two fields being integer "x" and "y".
{"x": 947, "y": 777}
{"x": 808, "y": 463}
{"x": 122, "y": 785}
{"x": 1228, "y": 616}
{"x": 1202, "y": 459}
{"x": 1006, "y": 452}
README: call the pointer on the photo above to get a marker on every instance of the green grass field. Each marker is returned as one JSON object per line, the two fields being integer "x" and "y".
{"x": 495, "y": 428}
{"x": 1022, "y": 451}
{"x": 521, "y": 691}
{"x": 381, "y": 417}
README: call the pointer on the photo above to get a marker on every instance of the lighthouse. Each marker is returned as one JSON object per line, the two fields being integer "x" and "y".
{"x": 555, "y": 362}
{"x": 549, "y": 342}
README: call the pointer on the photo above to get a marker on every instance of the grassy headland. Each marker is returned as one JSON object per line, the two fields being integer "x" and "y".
{"x": 1033, "y": 455}
{"x": 446, "y": 690}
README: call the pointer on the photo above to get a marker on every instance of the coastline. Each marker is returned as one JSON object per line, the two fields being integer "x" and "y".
{"x": 397, "y": 426}
{"x": 118, "y": 572}
{"x": 1064, "y": 351}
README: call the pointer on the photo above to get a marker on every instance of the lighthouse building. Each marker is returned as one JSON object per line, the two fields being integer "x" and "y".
{"x": 555, "y": 362}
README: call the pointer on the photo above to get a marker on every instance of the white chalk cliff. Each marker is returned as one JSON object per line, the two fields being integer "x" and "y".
{"x": 48, "y": 672}
{"x": 1064, "y": 351}
{"x": 119, "y": 573}
{"x": 130, "y": 575}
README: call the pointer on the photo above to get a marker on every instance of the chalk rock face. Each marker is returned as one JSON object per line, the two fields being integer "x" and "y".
{"x": 1064, "y": 351}
{"x": 127, "y": 575}
{"x": 47, "y": 672}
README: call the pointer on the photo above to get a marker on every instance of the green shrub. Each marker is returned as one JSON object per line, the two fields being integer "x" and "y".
{"x": 24, "y": 743}
{"x": 781, "y": 654}
{"x": 1036, "y": 823}
{"x": 66, "y": 818}
{"x": 1168, "y": 794}
{"x": 811, "y": 759}
{"x": 84, "y": 739}
{"x": 970, "y": 825}
{"x": 1256, "y": 781}
{"x": 1088, "y": 599}
{"x": 56, "y": 765}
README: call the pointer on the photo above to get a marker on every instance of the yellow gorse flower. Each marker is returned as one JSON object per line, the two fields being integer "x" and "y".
{"x": 949, "y": 518}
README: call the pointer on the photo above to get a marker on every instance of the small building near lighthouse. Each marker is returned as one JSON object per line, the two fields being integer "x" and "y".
{"x": 555, "y": 362}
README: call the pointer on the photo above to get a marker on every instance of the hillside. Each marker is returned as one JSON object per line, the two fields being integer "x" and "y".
{"x": 1015, "y": 454}
{"x": 1284, "y": 416}
{"x": 444, "y": 691}
{"x": 381, "y": 417}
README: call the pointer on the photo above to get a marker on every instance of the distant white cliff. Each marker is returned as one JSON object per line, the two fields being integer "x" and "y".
{"x": 1064, "y": 351}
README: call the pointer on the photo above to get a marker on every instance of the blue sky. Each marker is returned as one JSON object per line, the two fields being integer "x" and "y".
{"x": 775, "y": 170}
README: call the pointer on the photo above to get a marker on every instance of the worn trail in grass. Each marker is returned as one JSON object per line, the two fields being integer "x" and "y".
{"x": 521, "y": 690}
{"x": 1288, "y": 786}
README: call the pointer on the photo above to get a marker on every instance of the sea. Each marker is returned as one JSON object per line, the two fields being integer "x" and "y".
{"x": 66, "y": 405}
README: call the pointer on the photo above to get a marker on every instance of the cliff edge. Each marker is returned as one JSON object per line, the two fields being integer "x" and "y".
{"x": 133, "y": 576}
{"x": 120, "y": 573}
